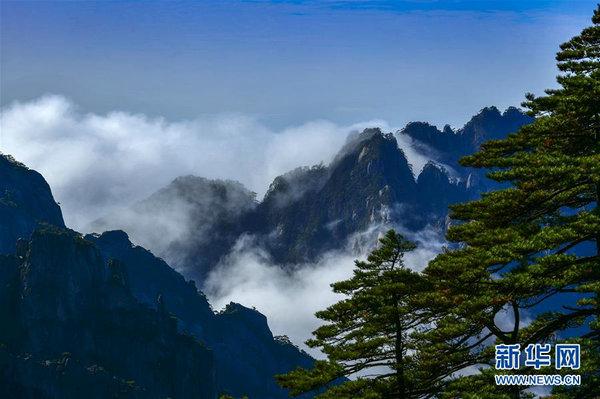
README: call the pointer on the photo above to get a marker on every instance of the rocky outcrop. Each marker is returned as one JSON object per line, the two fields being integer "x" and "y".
{"x": 361, "y": 187}
{"x": 200, "y": 217}
{"x": 436, "y": 190}
{"x": 311, "y": 210}
{"x": 99, "y": 317}
{"x": 25, "y": 202}
{"x": 448, "y": 146}
{"x": 247, "y": 356}
{"x": 75, "y": 329}
{"x": 262, "y": 355}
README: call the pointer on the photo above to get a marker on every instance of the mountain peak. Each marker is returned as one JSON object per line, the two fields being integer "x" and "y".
{"x": 294, "y": 184}
{"x": 256, "y": 321}
{"x": 491, "y": 124}
{"x": 448, "y": 129}
{"x": 514, "y": 112}
{"x": 370, "y": 139}
{"x": 491, "y": 110}
{"x": 375, "y": 151}
{"x": 420, "y": 128}
{"x": 116, "y": 239}
{"x": 450, "y": 145}
{"x": 25, "y": 201}
{"x": 357, "y": 140}
{"x": 434, "y": 173}
{"x": 428, "y": 137}
{"x": 370, "y": 132}
{"x": 196, "y": 188}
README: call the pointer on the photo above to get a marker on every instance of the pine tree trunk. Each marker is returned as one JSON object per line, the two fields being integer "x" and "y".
{"x": 401, "y": 386}
{"x": 400, "y": 365}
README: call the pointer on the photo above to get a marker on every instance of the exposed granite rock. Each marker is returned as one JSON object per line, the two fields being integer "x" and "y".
{"x": 311, "y": 210}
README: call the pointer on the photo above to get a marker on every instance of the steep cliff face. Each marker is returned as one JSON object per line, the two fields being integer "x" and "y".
{"x": 443, "y": 145}
{"x": 436, "y": 190}
{"x": 491, "y": 124}
{"x": 311, "y": 210}
{"x": 449, "y": 146}
{"x": 246, "y": 354}
{"x": 200, "y": 217}
{"x": 249, "y": 361}
{"x": 99, "y": 317}
{"x": 25, "y": 201}
{"x": 150, "y": 277}
{"x": 77, "y": 331}
{"x": 360, "y": 187}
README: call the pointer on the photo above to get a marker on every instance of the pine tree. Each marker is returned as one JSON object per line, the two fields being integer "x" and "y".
{"x": 537, "y": 242}
{"x": 368, "y": 334}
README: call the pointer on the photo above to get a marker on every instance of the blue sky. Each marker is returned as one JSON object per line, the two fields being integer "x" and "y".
{"x": 286, "y": 62}
{"x": 248, "y": 90}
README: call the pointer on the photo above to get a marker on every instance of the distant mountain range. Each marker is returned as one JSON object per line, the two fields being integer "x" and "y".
{"x": 450, "y": 145}
{"x": 311, "y": 210}
{"x": 95, "y": 316}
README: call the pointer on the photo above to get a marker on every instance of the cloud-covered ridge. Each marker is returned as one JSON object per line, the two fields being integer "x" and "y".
{"x": 290, "y": 298}
{"x": 96, "y": 163}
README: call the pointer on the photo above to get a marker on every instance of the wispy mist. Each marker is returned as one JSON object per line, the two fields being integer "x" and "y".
{"x": 290, "y": 299}
{"x": 101, "y": 166}
{"x": 97, "y": 164}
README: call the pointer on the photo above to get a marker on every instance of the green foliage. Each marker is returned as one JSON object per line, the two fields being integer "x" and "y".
{"x": 518, "y": 246}
{"x": 516, "y": 249}
{"x": 590, "y": 372}
{"x": 370, "y": 331}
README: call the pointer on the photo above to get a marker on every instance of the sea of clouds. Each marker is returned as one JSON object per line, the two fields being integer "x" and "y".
{"x": 95, "y": 163}
{"x": 98, "y": 165}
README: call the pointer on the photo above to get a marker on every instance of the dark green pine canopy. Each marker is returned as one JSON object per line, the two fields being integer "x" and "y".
{"x": 537, "y": 240}
{"x": 368, "y": 335}
{"x": 524, "y": 268}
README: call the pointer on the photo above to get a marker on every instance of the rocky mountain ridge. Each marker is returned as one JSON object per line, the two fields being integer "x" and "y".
{"x": 311, "y": 210}
{"x": 76, "y": 330}
{"x": 25, "y": 201}
{"x": 449, "y": 145}
{"x": 74, "y": 305}
{"x": 96, "y": 316}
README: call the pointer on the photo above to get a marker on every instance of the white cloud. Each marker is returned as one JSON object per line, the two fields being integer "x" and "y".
{"x": 416, "y": 158}
{"x": 505, "y": 319}
{"x": 290, "y": 298}
{"x": 98, "y": 164}
{"x": 429, "y": 242}
{"x": 95, "y": 163}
